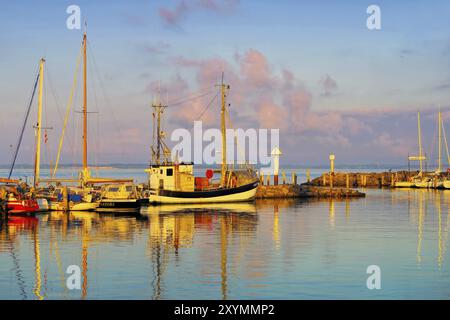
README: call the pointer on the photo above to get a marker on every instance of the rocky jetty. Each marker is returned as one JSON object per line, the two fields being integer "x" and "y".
{"x": 364, "y": 179}
{"x": 303, "y": 191}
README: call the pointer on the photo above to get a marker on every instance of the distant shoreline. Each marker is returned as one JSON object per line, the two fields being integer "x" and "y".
{"x": 284, "y": 166}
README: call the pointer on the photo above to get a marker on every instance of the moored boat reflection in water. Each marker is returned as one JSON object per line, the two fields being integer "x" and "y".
{"x": 283, "y": 248}
{"x": 173, "y": 228}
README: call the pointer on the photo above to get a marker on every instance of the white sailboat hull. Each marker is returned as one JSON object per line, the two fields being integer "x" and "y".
{"x": 423, "y": 184}
{"x": 404, "y": 184}
{"x": 82, "y": 206}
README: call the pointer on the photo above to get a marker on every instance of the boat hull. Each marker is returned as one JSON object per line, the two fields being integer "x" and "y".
{"x": 242, "y": 193}
{"x": 118, "y": 205}
{"x": 82, "y": 206}
{"x": 404, "y": 184}
{"x": 20, "y": 207}
{"x": 424, "y": 184}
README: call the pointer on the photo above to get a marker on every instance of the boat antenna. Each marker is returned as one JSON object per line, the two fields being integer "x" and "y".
{"x": 159, "y": 147}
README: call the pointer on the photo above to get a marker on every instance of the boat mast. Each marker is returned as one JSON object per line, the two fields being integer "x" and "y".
{"x": 223, "y": 88}
{"x": 440, "y": 142}
{"x": 420, "y": 142}
{"x": 160, "y": 146}
{"x": 38, "y": 127}
{"x": 85, "y": 124}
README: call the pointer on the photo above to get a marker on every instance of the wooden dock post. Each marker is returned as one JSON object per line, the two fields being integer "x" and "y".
{"x": 283, "y": 174}
{"x": 382, "y": 181}
{"x": 331, "y": 180}
{"x": 392, "y": 180}
{"x": 363, "y": 180}
{"x": 261, "y": 178}
{"x": 347, "y": 181}
{"x": 308, "y": 175}
{"x": 294, "y": 178}
{"x": 324, "y": 179}
{"x": 268, "y": 180}
{"x": 65, "y": 195}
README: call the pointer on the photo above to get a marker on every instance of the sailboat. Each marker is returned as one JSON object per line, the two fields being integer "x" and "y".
{"x": 85, "y": 197}
{"x": 421, "y": 181}
{"x": 436, "y": 179}
{"x": 418, "y": 179}
{"x": 444, "y": 181}
{"x": 15, "y": 198}
{"x": 172, "y": 182}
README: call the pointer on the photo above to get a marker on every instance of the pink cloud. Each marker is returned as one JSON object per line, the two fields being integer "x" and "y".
{"x": 173, "y": 17}
{"x": 270, "y": 115}
{"x": 262, "y": 96}
{"x": 254, "y": 67}
{"x": 395, "y": 146}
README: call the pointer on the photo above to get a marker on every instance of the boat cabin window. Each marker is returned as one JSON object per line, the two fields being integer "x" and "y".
{"x": 129, "y": 188}
{"x": 161, "y": 171}
{"x": 170, "y": 172}
{"x": 113, "y": 189}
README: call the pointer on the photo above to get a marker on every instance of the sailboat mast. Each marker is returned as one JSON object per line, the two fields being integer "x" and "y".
{"x": 85, "y": 160}
{"x": 223, "y": 88}
{"x": 420, "y": 142}
{"x": 440, "y": 142}
{"x": 37, "y": 162}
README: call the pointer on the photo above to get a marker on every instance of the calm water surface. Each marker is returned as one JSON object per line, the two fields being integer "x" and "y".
{"x": 268, "y": 250}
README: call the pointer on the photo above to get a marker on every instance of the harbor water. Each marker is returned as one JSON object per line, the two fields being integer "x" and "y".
{"x": 272, "y": 249}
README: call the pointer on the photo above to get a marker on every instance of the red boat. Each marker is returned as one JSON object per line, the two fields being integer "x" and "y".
{"x": 16, "y": 202}
{"x": 18, "y": 206}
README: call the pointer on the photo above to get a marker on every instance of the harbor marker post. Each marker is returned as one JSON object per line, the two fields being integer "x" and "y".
{"x": 332, "y": 158}
{"x": 276, "y": 153}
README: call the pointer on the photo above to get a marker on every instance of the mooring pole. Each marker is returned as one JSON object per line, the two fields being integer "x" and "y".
{"x": 332, "y": 157}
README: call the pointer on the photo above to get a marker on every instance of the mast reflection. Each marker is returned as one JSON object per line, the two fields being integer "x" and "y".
{"x": 174, "y": 227}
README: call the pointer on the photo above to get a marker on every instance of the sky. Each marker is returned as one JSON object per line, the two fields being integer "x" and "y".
{"x": 309, "y": 68}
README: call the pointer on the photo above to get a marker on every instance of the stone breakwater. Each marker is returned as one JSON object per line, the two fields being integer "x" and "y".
{"x": 304, "y": 191}
{"x": 364, "y": 179}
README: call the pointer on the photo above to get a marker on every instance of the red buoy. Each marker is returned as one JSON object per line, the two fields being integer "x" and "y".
{"x": 209, "y": 173}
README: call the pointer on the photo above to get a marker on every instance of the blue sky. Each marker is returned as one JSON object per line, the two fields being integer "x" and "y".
{"x": 356, "y": 91}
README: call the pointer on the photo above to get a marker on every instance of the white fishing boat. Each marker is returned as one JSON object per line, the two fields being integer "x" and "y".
{"x": 170, "y": 182}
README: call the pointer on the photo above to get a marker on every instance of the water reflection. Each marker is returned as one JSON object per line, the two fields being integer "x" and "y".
{"x": 418, "y": 201}
{"x": 9, "y": 234}
{"x": 173, "y": 227}
{"x": 270, "y": 249}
